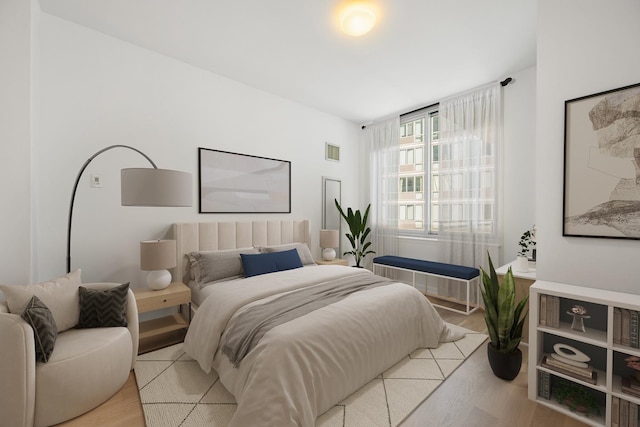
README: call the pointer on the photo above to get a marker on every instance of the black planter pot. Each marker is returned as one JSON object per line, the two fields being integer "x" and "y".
{"x": 504, "y": 365}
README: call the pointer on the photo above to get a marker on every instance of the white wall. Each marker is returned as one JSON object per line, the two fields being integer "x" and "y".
{"x": 584, "y": 47}
{"x": 519, "y": 100}
{"x": 95, "y": 91}
{"x": 15, "y": 141}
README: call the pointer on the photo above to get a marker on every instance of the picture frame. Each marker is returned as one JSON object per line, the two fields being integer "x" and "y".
{"x": 601, "y": 196}
{"x": 242, "y": 183}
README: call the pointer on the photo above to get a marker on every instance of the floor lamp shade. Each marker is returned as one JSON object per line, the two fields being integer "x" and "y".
{"x": 156, "y": 256}
{"x": 155, "y": 187}
{"x": 329, "y": 240}
{"x": 140, "y": 187}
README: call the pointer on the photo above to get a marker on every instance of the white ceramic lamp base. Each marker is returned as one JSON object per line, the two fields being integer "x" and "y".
{"x": 329, "y": 254}
{"x": 158, "y": 279}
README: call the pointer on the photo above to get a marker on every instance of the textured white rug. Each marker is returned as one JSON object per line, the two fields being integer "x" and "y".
{"x": 175, "y": 392}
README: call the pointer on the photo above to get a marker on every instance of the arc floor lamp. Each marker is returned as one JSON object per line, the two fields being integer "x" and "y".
{"x": 141, "y": 187}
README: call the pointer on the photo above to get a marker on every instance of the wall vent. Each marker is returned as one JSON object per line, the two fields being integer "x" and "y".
{"x": 332, "y": 152}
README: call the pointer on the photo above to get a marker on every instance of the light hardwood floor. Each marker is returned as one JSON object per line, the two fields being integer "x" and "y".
{"x": 472, "y": 396}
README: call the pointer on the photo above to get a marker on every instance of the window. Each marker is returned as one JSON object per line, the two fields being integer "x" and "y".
{"x": 418, "y": 157}
{"x": 446, "y": 184}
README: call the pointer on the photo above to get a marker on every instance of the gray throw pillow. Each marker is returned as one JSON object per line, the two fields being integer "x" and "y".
{"x": 302, "y": 248}
{"x": 103, "y": 308}
{"x": 212, "y": 266}
{"x": 45, "y": 331}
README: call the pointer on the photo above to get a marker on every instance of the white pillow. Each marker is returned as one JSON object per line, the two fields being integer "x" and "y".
{"x": 302, "y": 248}
{"x": 59, "y": 295}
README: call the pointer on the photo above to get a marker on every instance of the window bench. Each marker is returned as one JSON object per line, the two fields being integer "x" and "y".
{"x": 466, "y": 275}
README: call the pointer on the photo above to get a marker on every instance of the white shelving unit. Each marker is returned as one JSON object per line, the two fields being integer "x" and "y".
{"x": 596, "y": 342}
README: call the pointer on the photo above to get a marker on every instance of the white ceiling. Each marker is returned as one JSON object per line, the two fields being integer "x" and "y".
{"x": 419, "y": 51}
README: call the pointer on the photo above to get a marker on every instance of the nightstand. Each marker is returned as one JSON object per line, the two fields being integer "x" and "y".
{"x": 164, "y": 331}
{"x": 337, "y": 261}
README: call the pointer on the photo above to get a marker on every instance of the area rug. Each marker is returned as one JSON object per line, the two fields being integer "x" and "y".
{"x": 175, "y": 392}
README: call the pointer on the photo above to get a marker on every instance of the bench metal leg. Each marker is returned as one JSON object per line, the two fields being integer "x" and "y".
{"x": 468, "y": 309}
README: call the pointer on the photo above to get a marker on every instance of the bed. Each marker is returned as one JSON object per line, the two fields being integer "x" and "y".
{"x": 297, "y": 368}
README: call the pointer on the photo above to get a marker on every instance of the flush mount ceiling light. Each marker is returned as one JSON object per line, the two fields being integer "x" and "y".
{"x": 357, "y": 18}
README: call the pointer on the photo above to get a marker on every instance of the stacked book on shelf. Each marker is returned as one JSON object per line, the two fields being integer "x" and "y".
{"x": 584, "y": 372}
{"x": 544, "y": 384}
{"x": 631, "y": 385}
{"x": 623, "y": 413}
{"x": 549, "y": 311}
{"x": 625, "y": 327}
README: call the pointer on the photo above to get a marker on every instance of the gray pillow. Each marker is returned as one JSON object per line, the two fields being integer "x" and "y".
{"x": 103, "y": 308}
{"x": 45, "y": 331}
{"x": 212, "y": 266}
{"x": 302, "y": 248}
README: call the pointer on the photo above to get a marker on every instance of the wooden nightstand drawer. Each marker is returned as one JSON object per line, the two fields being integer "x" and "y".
{"x": 174, "y": 294}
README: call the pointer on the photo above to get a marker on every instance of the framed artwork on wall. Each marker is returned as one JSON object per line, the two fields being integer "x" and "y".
{"x": 602, "y": 165}
{"x": 241, "y": 183}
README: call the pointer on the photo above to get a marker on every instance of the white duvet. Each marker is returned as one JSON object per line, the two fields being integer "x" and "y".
{"x": 302, "y": 368}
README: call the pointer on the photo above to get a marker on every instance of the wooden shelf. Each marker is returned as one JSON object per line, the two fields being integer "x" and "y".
{"x": 162, "y": 325}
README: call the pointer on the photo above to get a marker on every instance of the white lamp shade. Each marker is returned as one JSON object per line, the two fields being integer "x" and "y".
{"x": 157, "y": 254}
{"x": 329, "y": 239}
{"x": 155, "y": 187}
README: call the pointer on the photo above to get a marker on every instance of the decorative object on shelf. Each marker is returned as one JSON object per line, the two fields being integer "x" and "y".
{"x": 140, "y": 187}
{"x": 570, "y": 361}
{"x": 358, "y": 232}
{"x": 527, "y": 242}
{"x": 601, "y": 134}
{"x": 579, "y": 313}
{"x": 504, "y": 324}
{"x": 633, "y": 362}
{"x": 576, "y": 397}
{"x": 241, "y": 183}
{"x": 329, "y": 240}
{"x": 156, "y": 256}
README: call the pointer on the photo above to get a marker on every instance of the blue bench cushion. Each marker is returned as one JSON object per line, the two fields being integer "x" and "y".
{"x": 449, "y": 270}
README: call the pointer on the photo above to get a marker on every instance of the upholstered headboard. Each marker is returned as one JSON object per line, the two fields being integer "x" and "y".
{"x": 211, "y": 236}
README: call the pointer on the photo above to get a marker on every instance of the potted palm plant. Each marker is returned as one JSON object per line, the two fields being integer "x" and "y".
{"x": 358, "y": 232}
{"x": 504, "y": 322}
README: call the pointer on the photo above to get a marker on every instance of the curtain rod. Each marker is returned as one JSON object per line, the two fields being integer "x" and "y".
{"x": 502, "y": 83}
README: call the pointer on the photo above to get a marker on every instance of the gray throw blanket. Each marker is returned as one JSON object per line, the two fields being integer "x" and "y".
{"x": 251, "y": 325}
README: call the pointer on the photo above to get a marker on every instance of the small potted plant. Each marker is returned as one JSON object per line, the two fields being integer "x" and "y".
{"x": 358, "y": 232}
{"x": 505, "y": 320}
{"x": 576, "y": 397}
{"x": 527, "y": 241}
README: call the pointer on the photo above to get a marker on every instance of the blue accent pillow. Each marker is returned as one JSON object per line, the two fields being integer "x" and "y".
{"x": 256, "y": 264}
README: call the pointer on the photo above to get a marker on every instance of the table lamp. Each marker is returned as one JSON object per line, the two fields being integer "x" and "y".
{"x": 156, "y": 256}
{"x": 329, "y": 239}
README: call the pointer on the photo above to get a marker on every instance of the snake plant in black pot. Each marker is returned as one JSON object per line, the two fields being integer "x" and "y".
{"x": 358, "y": 232}
{"x": 504, "y": 324}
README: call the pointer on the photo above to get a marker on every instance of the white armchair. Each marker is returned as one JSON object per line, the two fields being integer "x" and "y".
{"x": 86, "y": 368}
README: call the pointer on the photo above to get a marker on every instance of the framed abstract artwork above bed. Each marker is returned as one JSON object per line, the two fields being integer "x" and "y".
{"x": 242, "y": 183}
{"x": 602, "y": 165}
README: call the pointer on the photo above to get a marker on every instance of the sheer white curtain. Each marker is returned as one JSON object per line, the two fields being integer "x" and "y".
{"x": 379, "y": 144}
{"x": 469, "y": 196}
